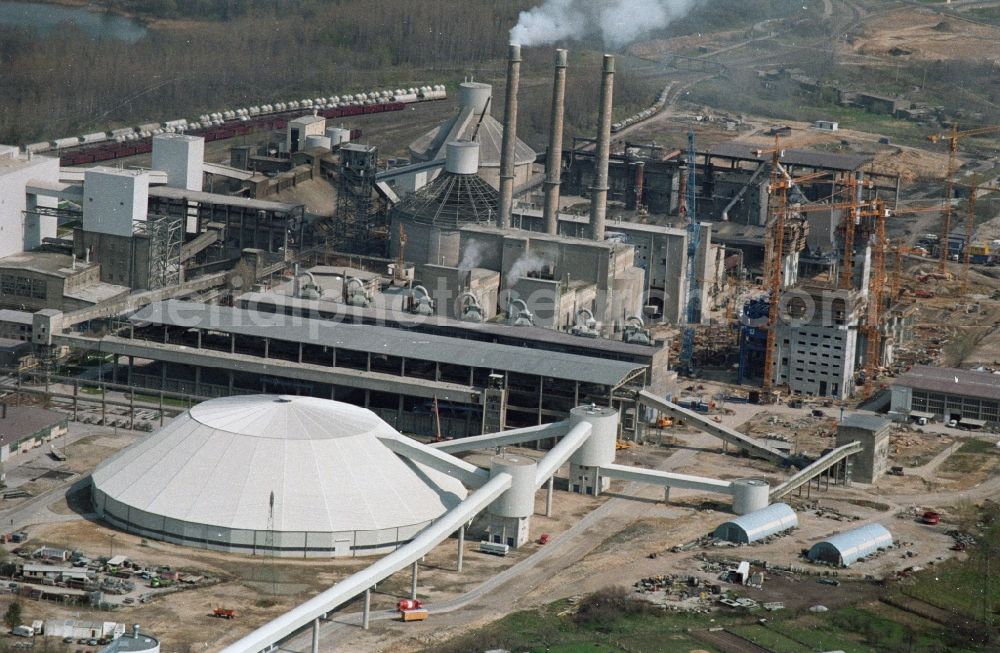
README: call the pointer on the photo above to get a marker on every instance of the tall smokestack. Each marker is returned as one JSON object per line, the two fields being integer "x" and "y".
{"x": 509, "y": 135}
{"x": 553, "y": 164}
{"x": 599, "y": 196}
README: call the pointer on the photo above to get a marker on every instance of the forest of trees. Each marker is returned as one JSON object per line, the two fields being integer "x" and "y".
{"x": 243, "y": 52}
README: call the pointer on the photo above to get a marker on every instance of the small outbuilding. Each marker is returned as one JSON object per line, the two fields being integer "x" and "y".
{"x": 844, "y": 549}
{"x": 758, "y": 524}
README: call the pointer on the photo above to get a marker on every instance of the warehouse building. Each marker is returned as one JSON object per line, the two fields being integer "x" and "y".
{"x": 844, "y": 549}
{"x": 405, "y": 377}
{"x": 276, "y": 475}
{"x": 757, "y": 525}
{"x": 969, "y": 397}
{"x": 23, "y": 428}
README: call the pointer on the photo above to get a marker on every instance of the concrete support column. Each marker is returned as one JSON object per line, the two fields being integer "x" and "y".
{"x": 230, "y": 382}
{"x": 413, "y": 582}
{"x": 300, "y": 353}
{"x": 114, "y": 369}
{"x": 549, "y": 486}
{"x": 553, "y": 162}
{"x": 597, "y": 481}
{"x": 128, "y": 372}
{"x": 267, "y": 347}
{"x": 507, "y": 146}
{"x": 461, "y": 548}
{"x": 599, "y": 191}
{"x": 315, "y": 636}
{"x": 232, "y": 343}
{"x": 366, "y": 616}
{"x": 666, "y": 494}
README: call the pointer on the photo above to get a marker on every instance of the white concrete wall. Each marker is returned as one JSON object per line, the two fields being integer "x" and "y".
{"x": 182, "y": 157}
{"x": 113, "y": 199}
{"x": 17, "y": 233}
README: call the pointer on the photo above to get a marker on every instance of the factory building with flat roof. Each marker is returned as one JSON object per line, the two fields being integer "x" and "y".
{"x": 406, "y": 377}
{"x": 967, "y": 396}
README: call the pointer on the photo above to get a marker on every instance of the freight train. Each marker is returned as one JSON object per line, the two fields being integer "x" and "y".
{"x": 127, "y": 141}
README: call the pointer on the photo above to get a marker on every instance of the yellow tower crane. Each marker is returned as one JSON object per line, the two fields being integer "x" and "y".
{"x": 953, "y": 137}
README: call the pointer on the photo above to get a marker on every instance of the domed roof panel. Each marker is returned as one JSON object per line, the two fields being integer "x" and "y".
{"x": 203, "y": 468}
{"x": 287, "y": 417}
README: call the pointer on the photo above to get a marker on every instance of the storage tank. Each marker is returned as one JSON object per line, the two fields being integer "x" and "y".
{"x": 599, "y": 448}
{"x": 519, "y": 500}
{"x": 338, "y": 135}
{"x": 750, "y": 494}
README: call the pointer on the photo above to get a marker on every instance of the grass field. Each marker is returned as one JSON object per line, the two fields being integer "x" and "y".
{"x": 870, "y": 627}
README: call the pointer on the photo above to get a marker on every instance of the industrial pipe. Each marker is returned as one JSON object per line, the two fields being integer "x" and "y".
{"x": 509, "y": 136}
{"x": 265, "y": 637}
{"x": 599, "y": 191}
{"x": 553, "y": 163}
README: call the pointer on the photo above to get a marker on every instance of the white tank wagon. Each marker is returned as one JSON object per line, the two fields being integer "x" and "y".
{"x": 263, "y": 474}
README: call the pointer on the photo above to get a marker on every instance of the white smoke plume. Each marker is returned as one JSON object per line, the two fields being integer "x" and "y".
{"x": 525, "y": 265}
{"x": 472, "y": 255}
{"x": 616, "y": 22}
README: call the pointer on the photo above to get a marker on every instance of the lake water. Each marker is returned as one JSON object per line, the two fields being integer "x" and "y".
{"x": 47, "y": 18}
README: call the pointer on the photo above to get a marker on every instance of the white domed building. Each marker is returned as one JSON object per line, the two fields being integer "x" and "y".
{"x": 273, "y": 475}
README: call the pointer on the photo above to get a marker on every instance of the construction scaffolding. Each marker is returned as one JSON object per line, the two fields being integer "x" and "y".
{"x": 166, "y": 235}
{"x": 359, "y": 226}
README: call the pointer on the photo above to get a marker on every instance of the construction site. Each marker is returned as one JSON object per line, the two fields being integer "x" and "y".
{"x": 333, "y": 376}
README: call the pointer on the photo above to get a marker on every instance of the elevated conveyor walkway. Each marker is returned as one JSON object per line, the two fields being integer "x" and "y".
{"x": 806, "y": 474}
{"x": 724, "y": 433}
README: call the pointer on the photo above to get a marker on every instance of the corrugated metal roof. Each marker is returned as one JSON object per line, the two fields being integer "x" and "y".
{"x": 953, "y": 381}
{"x": 808, "y": 158}
{"x": 758, "y": 524}
{"x": 475, "y": 330}
{"x": 461, "y": 127}
{"x": 849, "y": 547}
{"x": 218, "y": 463}
{"x": 389, "y": 342}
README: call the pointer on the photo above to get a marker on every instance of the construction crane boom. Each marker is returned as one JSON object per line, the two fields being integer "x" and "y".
{"x": 876, "y": 292}
{"x": 774, "y": 267}
{"x": 953, "y": 137}
{"x": 693, "y": 313}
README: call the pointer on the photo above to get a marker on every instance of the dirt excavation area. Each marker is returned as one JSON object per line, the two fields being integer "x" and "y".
{"x": 630, "y": 535}
{"x": 906, "y": 33}
{"x": 625, "y": 536}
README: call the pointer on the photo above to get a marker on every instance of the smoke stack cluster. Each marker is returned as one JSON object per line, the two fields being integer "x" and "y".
{"x": 599, "y": 191}
{"x": 553, "y": 164}
{"x": 509, "y": 136}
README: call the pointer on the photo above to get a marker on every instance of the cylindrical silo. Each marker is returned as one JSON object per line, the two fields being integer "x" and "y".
{"x": 519, "y": 500}
{"x": 599, "y": 449}
{"x": 474, "y": 95}
{"x": 750, "y": 494}
{"x": 462, "y": 157}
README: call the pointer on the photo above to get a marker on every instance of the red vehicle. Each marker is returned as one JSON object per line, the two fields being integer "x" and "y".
{"x": 544, "y": 539}
{"x": 930, "y": 518}
{"x": 224, "y": 613}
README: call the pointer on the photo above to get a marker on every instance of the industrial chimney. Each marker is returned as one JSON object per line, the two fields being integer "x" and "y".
{"x": 509, "y": 136}
{"x": 599, "y": 191}
{"x": 553, "y": 163}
